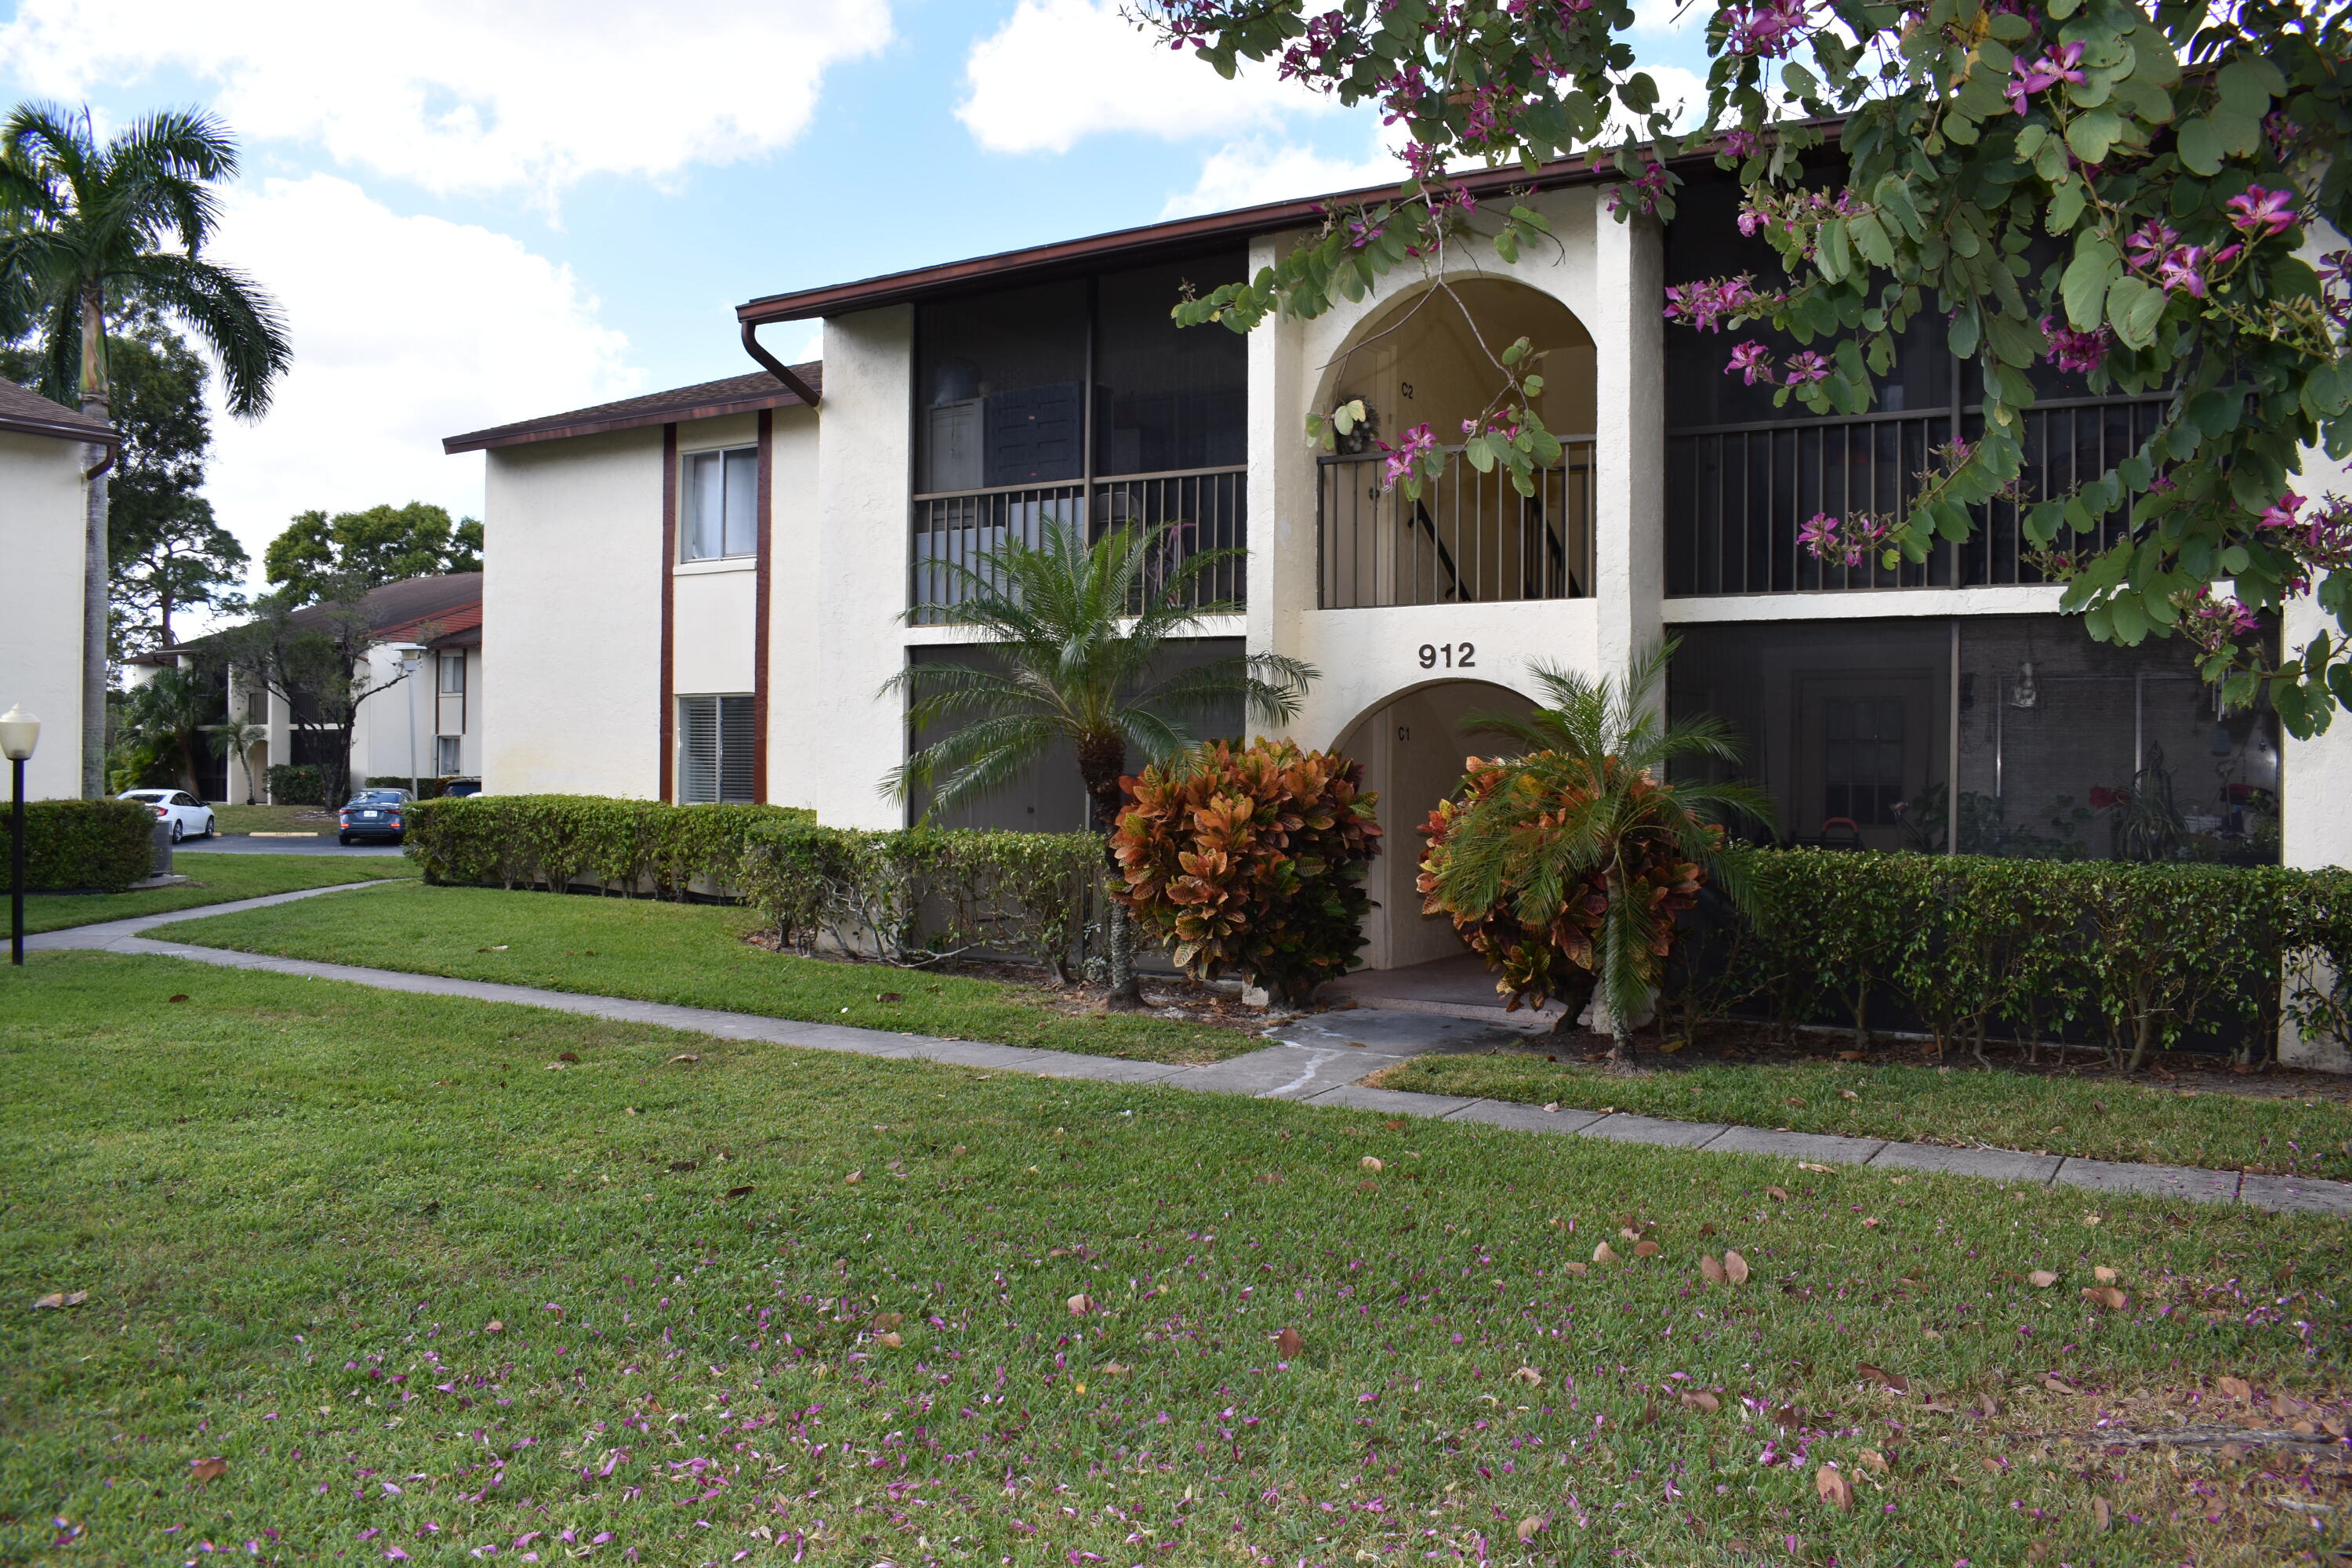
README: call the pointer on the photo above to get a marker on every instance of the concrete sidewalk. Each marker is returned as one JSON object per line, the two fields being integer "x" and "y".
{"x": 1316, "y": 1059}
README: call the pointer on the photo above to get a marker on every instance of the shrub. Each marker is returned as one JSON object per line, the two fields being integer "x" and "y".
{"x": 1251, "y": 858}
{"x": 2147, "y": 954}
{"x": 914, "y": 897}
{"x": 1541, "y": 936}
{"x": 554, "y": 841}
{"x": 296, "y": 783}
{"x": 102, "y": 846}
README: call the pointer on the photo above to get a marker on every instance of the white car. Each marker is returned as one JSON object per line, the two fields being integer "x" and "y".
{"x": 184, "y": 811}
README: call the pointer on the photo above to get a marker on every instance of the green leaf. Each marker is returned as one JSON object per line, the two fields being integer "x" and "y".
{"x": 2201, "y": 146}
{"x": 2128, "y": 616}
{"x": 2085, "y": 285}
{"x": 2134, "y": 308}
{"x": 1480, "y": 455}
{"x": 2065, "y": 207}
{"x": 2093, "y": 133}
{"x": 1962, "y": 336}
{"x": 2008, "y": 26}
{"x": 2247, "y": 86}
{"x": 1870, "y": 238}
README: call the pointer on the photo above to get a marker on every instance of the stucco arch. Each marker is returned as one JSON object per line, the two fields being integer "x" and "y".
{"x": 1412, "y": 744}
{"x": 1424, "y": 355}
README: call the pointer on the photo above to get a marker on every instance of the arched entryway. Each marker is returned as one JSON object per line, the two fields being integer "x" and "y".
{"x": 1413, "y": 746}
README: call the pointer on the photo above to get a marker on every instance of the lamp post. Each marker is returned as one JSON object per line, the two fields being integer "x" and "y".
{"x": 19, "y": 733}
{"x": 411, "y": 655}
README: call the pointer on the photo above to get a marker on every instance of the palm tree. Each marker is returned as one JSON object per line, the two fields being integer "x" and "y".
{"x": 87, "y": 230}
{"x": 237, "y": 740}
{"x": 172, "y": 712}
{"x": 1583, "y": 842}
{"x": 1078, "y": 631}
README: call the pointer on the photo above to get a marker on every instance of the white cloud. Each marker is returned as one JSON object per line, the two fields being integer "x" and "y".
{"x": 469, "y": 97}
{"x": 1244, "y": 173}
{"x": 1061, "y": 71}
{"x": 405, "y": 329}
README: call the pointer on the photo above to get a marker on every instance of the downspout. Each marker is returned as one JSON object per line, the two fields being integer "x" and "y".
{"x": 776, "y": 367}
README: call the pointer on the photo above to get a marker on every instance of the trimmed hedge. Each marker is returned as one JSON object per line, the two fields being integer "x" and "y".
{"x": 2142, "y": 955}
{"x": 75, "y": 846}
{"x": 555, "y": 840}
{"x": 296, "y": 783}
{"x": 920, "y": 896}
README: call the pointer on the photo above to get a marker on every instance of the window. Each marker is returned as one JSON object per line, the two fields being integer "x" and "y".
{"x": 722, "y": 502}
{"x": 453, "y": 675}
{"x": 1167, "y": 397}
{"x": 714, "y": 749}
{"x": 1861, "y": 759}
{"x": 447, "y": 763}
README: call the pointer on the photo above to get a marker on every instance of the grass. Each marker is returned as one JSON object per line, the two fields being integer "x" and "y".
{"x": 418, "y": 1295}
{"x": 693, "y": 954}
{"x": 217, "y": 879}
{"x": 274, "y": 818}
{"x": 2097, "y": 1119}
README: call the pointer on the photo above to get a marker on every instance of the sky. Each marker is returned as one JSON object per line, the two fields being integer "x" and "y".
{"x": 477, "y": 212}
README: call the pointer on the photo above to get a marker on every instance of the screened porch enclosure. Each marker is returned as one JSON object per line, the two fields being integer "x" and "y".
{"x": 1079, "y": 406}
{"x": 2066, "y": 748}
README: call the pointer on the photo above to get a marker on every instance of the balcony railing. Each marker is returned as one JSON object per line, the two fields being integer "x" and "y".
{"x": 1208, "y": 506}
{"x": 1469, "y": 538}
{"x": 1737, "y": 496}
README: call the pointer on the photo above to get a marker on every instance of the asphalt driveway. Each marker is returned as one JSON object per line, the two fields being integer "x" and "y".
{"x": 247, "y": 844}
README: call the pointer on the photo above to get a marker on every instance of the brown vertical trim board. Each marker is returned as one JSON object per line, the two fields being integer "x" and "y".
{"x": 762, "y": 584}
{"x": 668, "y": 611}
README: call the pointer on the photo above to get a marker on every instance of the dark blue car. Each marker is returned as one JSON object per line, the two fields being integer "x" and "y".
{"x": 380, "y": 813}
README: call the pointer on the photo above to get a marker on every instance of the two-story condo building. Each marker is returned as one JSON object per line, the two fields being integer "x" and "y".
{"x": 698, "y": 595}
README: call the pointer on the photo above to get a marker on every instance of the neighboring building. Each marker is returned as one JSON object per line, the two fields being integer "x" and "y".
{"x": 700, "y": 593}
{"x": 428, "y": 726}
{"x": 45, "y": 448}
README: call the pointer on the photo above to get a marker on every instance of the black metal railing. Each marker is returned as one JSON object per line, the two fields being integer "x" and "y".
{"x": 1468, "y": 538}
{"x": 1739, "y": 496}
{"x": 1208, "y": 508}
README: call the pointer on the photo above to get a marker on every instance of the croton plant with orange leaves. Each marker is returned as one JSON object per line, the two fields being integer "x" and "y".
{"x": 1251, "y": 858}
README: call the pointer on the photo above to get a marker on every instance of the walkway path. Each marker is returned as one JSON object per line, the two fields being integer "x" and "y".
{"x": 1317, "y": 1060}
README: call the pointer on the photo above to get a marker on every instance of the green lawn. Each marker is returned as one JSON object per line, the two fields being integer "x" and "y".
{"x": 688, "y": 954}
{"x": 217, "y": 879}
{"x": 274, "y": 818}
{"x": 2098, "y": 1118}
{"x": 420, "y": 1294}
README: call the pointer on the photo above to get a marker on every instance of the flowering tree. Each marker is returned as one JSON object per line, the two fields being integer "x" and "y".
{"x": 2178, "y": 157}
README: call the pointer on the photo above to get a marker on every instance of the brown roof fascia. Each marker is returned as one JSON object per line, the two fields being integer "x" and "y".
{"x": 635, "y": 419}
{"x": 1040, "y": 263}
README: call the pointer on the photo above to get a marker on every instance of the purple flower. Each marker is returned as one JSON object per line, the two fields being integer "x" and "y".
{"x": 2078, "y": 352}
{"x": 1408, "y": 450}
{"x": 1753, "y": 361}
{"x": 1704, "y": 304}
{"x": 2259, "y": 212}
{"x": 1807, "y": 366}
{"x": 2062, "y": 63}
{"x": 2183, "y": 270}
{"x": 1740, "y": 143}
{"x": 2150, "y": 244}
{"x": 1769, "y": 29}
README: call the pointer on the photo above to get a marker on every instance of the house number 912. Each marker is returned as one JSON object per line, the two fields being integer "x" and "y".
{"x": 1450, "y": 655}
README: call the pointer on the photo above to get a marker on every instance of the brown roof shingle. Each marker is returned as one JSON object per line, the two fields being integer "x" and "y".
{"x": 27, "y": 412}
{"x": 704, "y": 400}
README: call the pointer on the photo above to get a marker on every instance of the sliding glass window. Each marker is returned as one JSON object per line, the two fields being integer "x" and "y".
{"x": 722, "y": 504}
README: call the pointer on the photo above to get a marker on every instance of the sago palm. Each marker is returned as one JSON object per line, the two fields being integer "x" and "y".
{"x": 1582, "y": 842}
{"x": 1079, "y": 632}
{"x": 90, "y": 229}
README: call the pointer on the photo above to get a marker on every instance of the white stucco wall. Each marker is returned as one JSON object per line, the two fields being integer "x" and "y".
{"x": 40, "y": 604}
{"x": 835, "y": 636}
{"x": 572, "y": 617}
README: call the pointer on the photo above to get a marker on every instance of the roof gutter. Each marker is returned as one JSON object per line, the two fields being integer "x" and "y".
{"x": 776, "y": 367}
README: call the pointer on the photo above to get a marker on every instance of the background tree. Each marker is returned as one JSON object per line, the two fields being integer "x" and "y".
{"x": 166, "y": 555}
{"x": 382, "y": 544}
{"x": 2116, "y": 187}
{"x": 314, "y": 657}
{"x": 1080, "y": 631}
{"x": 169, "y": 714}
{"x": 1580, "y": 852}
{"x": 89, "y": 230}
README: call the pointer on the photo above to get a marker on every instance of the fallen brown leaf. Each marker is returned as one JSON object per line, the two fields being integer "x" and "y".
{"x": 1574, "y": 1267}
{"x": 1809, "y": 1165}
{"x": 888, "y": 996}
{"x": 1849, "y": 1055}
{"x": 1080, "y": 1304}
{"x": 890, "y": 1339}
{"x": 203, "y": 1471}
{"x": 689, "y": 1057}
{"x": 494, "y": 1327}
{"x": 1872, "y": 1460}
{"x": 2107, "y": 1296}
{"x": 1779, "y": 1194}
{"x": 1848, "y": 1094}
{"x": 1735, "y": 1268}
{"x": 1372, "y": 1162}
{"x": 567, "y": 1056}
{"x": 2105, "y": 1275}
{"x": 1530, "y": 1376}
{"x": 1394, "y": 1124}
{"x": 852, "y": 1179}
{"x": 59, "y": 1299}
{"x": 2099, "y": 1514}
{"x": 1529, "y": 1525}
{"x": 2042, "y": 1279}
{"x": 1711, "y": 1268}
{"x": 1646, "y": 1248}
{"x": 1291, "y": 1343}
{"x": 2236, "y": 1388}
{"x": 1113, "y": 1369}
{"x": 1604, "y": 1253}
{"x": 1884, "y": 1378}
{"x": 885, "y": 1320}
{"x": 738, "y": 1191}
{"x": 1833, "y": 1488}
{"x": 1700, "y": 1399}
{"x": 178, "y": 996}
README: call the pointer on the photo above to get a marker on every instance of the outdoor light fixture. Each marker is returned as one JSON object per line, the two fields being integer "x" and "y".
{"x": 19, "y": 733}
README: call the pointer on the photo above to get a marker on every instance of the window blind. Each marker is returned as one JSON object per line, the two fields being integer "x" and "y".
{"x": 714, "y": 749}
